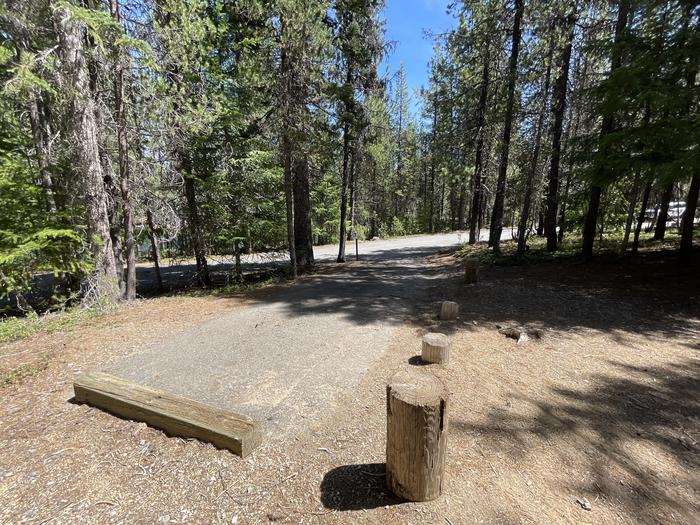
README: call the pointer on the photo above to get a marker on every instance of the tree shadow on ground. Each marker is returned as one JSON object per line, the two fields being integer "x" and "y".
{"x": 382, "y": 288}
{"x": 650, "y": 295}
{"x": 624, "y": 426}
{"x": 356, "y": 487}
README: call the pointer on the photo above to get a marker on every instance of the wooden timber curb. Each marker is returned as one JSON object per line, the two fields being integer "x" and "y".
{"x": 175, "y": 415}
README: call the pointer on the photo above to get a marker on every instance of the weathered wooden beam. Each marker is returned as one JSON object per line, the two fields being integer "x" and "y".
{"x": 175, "y": 415}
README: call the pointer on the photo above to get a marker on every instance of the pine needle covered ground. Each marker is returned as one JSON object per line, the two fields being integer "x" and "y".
{"x": 601, "y": 412}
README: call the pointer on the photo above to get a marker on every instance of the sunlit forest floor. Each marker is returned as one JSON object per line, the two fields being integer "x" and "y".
{"x": 602, "y": 412}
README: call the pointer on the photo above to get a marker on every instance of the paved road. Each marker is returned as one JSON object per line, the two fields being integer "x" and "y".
{"x": 284, "y": 358}
{"x": 181, "y": 274}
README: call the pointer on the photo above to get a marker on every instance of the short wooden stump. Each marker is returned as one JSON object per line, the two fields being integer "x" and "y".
{"x": 416, "y": 435}
{"x": 449, "y": 311}
{"x": 471, "y": 271}
{"x": 436, "y": 348}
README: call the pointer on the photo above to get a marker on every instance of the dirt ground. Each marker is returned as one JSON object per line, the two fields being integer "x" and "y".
{"x": 603, "y": 412}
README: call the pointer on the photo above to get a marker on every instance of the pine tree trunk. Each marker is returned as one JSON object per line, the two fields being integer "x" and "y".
{"x": 462, "y": 209}
{"x": 155, "y": 254}
{"x": 558, "y": 109}
{"x": 532, "y": 169}
{"x": 634, "y": 193}
{"x": 478, "y": 162}
{"x": 641, "y": 217}
{"x": 124, "y": 173}
{"x": 351, "y": 201}
{"x": 303, "y": 237}
{"x": 433, "y": 134}
{"x": 691, "y": 201}
{"x": 38, "y": 119}
{"x": 607, "y": 127}
{"x": 85, "y": 132}
{"x": 570, "y": 168}
{"x": 344, "y": 192}
{"x": 289, "y": 203}
{"x": 41, "y": 133}
{"x": 345, "y": 179}
{"x": 666, "y": 196}
{"x": 562, "y": 208}
{"x": 431, "y": 226}
{"x": 194, "y": 222}
{"x": 691, "y": 204}
{"x": 497, "y": 215}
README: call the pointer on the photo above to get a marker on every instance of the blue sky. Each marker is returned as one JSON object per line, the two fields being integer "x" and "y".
{"x": 406, "y": 22}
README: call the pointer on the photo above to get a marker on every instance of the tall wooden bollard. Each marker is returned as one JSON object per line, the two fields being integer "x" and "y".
{"x": 416, "y": 440}
{"x": 436, "y": 348}
{"x": 449, "y": 311}
{"x": 471, "y": 270}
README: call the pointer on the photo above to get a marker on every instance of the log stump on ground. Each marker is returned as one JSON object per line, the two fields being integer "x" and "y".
{"x": 416, "y": 435}
{"x": 471, "y": 270}
{"x": 449, "y": 311}
{"x": 436, "y": 348}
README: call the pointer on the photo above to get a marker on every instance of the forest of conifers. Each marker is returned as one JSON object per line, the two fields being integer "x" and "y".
{"x": 213, "y": 126}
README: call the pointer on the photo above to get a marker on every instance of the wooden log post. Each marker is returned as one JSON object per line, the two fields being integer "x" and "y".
{"x": 416, "y": 435}
{"x": 471, "y": 270}
{"x": 449, "y": 311}
{"x": 436, "y": 348}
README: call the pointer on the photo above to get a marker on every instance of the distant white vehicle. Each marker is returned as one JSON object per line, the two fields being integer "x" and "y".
{"x": 675, "y": 211}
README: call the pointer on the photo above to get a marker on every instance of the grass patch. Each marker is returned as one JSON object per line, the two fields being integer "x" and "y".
{"x": 247, "y": 286}
{"x": 13, "y": 328}
{"x": 21, "y": 373}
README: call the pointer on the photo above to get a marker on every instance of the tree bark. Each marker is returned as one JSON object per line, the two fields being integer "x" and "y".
{"x": 352, "y": 186}
{"x": 124, "y": 172}
{"x": 691, "y": 201}
{"x": 303, "y": 235}
{"x": 289, "y": 202}
{"x": 607, "y": 127}
{"x": 634, "y": 194}
{"x": 433, "y": 135}
{"x": 155, "y": 253}
{"x": 85, "y": 131}
{"x": 666, "y": 196}
{"x": 200, "y": 254}
{"x": 42, "y": 142}
{"x": 691, "y": 204}
{"x": 345, "y": 178}
{"x": 462, "y": 205}
{"x": 499, "y": 201}
{"x": 532, "y": 168}
{"x": 558, "y": 109}
{"x": 344, "y": 192}
{"x": 38, "y": 118}
{"x": 641, "y": 216}
{"x": 478, "y": 162}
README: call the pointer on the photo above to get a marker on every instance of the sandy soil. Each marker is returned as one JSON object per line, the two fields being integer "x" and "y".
{"x": 603, "y": 410}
